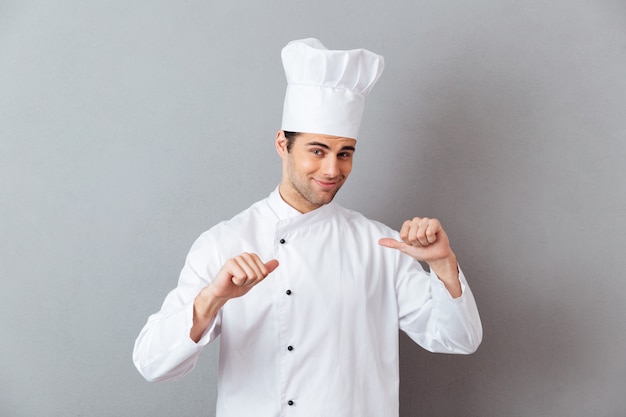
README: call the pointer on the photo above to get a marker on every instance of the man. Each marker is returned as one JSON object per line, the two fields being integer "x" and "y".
{"x": 307, "y": 296}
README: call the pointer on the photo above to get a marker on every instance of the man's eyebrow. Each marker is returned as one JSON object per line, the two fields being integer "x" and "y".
{"x": 325, "y": 146}
{"x": 320, "y": 144}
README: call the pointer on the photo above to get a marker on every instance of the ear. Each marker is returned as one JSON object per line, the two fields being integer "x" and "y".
{"x": 281, "y": 144}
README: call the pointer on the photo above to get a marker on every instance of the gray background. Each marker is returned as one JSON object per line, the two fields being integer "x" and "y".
{"x": 128, "y": 128}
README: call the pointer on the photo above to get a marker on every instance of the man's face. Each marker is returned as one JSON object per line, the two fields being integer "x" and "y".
{"x": 314, "y": 169}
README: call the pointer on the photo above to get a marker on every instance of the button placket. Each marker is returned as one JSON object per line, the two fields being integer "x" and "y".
{"x": 287, "y": 366}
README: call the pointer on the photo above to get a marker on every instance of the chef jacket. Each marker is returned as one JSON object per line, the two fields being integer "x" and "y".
{"x": 319, "y": 336}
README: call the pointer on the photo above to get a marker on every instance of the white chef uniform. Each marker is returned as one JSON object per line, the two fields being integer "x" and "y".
{"x": 319, "y": 336}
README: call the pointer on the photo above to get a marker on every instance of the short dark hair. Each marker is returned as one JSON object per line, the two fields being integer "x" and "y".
{"x": 290, "y": 136}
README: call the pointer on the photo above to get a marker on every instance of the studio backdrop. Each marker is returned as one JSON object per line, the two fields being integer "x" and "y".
{"x": 129, "y": 128}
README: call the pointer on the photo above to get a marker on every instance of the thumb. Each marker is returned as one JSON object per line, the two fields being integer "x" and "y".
{"x": 271, "y": 265}
{"x": 391, "y": 243}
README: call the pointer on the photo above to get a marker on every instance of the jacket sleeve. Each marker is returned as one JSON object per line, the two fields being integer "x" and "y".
{"x": 432, "y": 318}
{"x": 163, "y": 350}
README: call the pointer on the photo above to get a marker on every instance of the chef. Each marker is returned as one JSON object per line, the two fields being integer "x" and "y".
{"x": 306, "y": 296}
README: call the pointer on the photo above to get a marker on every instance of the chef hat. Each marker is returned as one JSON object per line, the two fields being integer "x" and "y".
{"x": 326, "y": 89}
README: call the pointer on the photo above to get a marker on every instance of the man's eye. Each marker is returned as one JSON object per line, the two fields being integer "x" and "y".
{"x": 316, "y": 152}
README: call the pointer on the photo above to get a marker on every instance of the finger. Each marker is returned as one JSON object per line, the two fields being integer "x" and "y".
{"x": 253, "y": 269}
{"x": 391, "y": 243}
{"x": 265, "y": 268}
{"x": 433, "y": 228}
{"x": 237, "y": 274}
{"x": 420, "y": 232}
{"x": 252, "y": 266}
{"x": 404, "y": 232}
{"x": 415, "y": 232}
{"x": 271, "y": 266}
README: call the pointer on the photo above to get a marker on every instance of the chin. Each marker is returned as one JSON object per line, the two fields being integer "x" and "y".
{"x": 327, "y": 198}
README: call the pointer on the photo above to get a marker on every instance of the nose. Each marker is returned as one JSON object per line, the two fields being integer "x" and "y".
{"x": 330, "y": 167}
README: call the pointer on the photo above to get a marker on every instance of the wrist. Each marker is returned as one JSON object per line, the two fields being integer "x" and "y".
{"x": 447, "y": 270}
{"x": 445, "y": 267}
{"x": 205, "y": 308}
{"x": 207, "y": 304}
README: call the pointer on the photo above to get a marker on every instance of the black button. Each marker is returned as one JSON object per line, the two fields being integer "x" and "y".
{"x": 290, "y": 402}
{"x": 289, "y": 348}
{"x": 288, "y": 292}
{"x": 282, "y": 241}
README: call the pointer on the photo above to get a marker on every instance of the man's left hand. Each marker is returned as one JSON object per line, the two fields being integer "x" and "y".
{"x": 425, "y": 240}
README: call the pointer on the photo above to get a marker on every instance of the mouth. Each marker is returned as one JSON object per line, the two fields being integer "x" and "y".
{"x": 326, "y": 185}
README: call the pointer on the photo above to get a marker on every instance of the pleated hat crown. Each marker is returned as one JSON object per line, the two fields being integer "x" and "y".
{"x": 326, "y": 89}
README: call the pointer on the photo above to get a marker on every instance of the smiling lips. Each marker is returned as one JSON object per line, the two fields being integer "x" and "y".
{"x": 326, "y": 185}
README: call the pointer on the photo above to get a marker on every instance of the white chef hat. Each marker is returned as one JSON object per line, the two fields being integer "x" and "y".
{"x": 326, "y": 89}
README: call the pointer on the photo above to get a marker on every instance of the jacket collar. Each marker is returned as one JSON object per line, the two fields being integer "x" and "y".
{"x": 281, "y": 209}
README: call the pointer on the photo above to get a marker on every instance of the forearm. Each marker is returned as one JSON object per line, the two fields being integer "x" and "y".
{"x": 205, "y": 308}
{"x": 447, "y": 271}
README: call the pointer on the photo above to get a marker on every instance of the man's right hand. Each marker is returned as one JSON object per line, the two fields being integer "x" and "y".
{"x": 236, "y": 278}
{"x": 240, "y": 274}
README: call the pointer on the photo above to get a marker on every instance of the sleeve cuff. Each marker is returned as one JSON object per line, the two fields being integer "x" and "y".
{"x": 211, "y": 331}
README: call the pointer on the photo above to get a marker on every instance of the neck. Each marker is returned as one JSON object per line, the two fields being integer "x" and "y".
{"x": 295, "y": 200}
